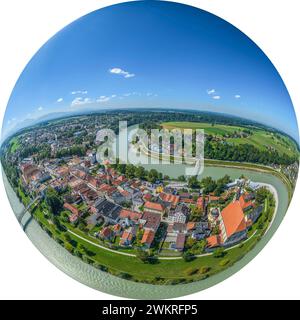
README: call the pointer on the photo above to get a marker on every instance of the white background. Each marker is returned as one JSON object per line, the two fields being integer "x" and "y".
{"x": 26, "y": 25}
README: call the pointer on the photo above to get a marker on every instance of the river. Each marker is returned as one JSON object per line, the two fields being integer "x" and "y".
{"x": 105, "y": 282}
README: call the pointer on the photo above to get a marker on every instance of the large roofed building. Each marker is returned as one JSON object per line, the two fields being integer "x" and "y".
{"x": 233, "y": 227}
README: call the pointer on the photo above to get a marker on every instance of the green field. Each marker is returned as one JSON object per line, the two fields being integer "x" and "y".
{"x": 15, "y": 144}
{"x": 260, "y": 138}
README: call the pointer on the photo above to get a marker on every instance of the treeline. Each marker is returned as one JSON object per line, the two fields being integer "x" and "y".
{"x": 244, "y": 153}
{"x": 72, "y": 151}
{"x": 131, "y": 171}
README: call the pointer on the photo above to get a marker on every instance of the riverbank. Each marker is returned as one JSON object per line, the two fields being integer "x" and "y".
{"x": 222, "y": 164}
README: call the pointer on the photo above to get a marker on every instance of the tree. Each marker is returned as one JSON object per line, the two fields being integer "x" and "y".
{"x": 193, "y": 182}
{"x": 261, "y": 194}
{"x": 143, "y": 255}
{"x": 219, "y": 253}
{"x": 53, "y": 201}
{"x": 140, "y": 172}
{"x": 188, "y": 256}
{"x": 152, "y": 175}
{"x": 182, "y": 178}
{"x": 196, "y": 213}
{"x": 208, "y": 184}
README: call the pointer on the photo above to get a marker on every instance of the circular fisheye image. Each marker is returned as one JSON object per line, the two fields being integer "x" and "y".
{"x": 150, "y": 150}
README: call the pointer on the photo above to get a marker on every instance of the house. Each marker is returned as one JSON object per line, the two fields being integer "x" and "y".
{"x": 177, "y": 227}
{"x": 151, "y": 221}
{"x": 92, "y": 181}
{"x": 213, "y": 241}
{"x": 245, "y": 203}
{"x": 233, "y": 226}
{"x": 117, "y": 197}
{"x": 106, "y": 234}
{"x": 131, "y": 215}
{"x": 170, "y": 199}
{"x": 117, "y": 229}
{"x": 201, "y": 230}
{"x": 137, "y": 202}
{"x": 154, "y": 207}
{"x": 148, "y": 238}
{"x": 126, "y": 238}
{"x": 179, "y": 214}
{"x": 180, "y": 241}
{"x": 107, "y": 209}
{"x": 147, "y": 197}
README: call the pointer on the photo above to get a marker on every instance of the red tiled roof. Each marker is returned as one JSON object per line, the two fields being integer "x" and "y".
{"x": 126, "y": 236}
{"x": 132, "y": 215}
{"x": 106, "y": 232}
{"x": 148, "y": 237}
{"x": 213, "y": 241}
{"x": 116, "y": 227}
{"x": 154, "y": 206}
{"x": 191, "y": 225}
{"x": 147, "y": 196}
{"x": 244, "y": 204}
{"x": 152, "y": 220}
{"x": 187, "y": 200}
{"x": 233, "y": 218}
{"x": 167, "y": 197}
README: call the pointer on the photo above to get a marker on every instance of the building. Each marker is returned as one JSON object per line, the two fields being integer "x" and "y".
{"x": 245, "y": 202}
{"x": 151, "y": 221}
{"x": 106, "y": 234}
{"x": 154, "y": 207}
{"x": 108, "y": 210}
{"x": 170, "y": 199}
{"x": 213, "y": 241}
{"x": 131, "y": 215}
{"x": 126, "y": 238}
{"x": 180, "y": 214}
{"x": 148, "y": 238}
{"x": 233, "y": 226}
{"x": 180, "y": 241}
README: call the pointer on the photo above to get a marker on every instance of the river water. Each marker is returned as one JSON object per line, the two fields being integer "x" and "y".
{"x": 105, "y": 282}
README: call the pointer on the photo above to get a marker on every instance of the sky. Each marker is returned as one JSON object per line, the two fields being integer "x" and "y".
{"x": 151, "y": 54}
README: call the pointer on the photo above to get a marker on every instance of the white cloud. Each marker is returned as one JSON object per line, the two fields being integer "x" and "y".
{"x": 237, "y": 96}
{"x": 79, "y": 92}
{"x": 80, "y": 101}
{"x": 210, "y": 91}
{"x": 119, "y": 71}
{"x": 113, "y": 96}
{"x": 216, "y": 97}
{"x": 103, "y": 99}
{"x": 40, "y": 108}
{"x": 60, "y": 100}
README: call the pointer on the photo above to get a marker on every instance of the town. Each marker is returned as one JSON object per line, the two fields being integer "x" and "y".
{"x": 104, "y": 212}
{"x": 138, "y": 213}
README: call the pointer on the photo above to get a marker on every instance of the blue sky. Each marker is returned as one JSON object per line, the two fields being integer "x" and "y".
{"x": 152, "y": 54}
